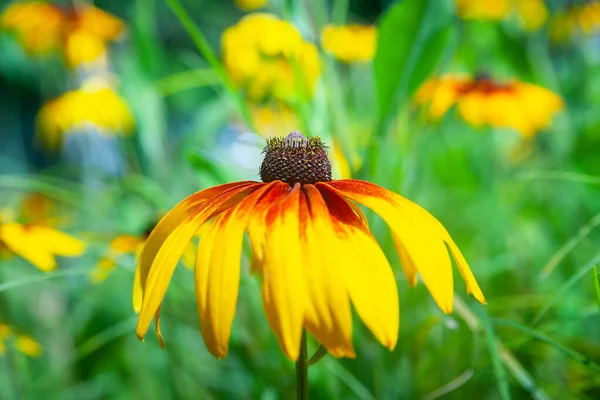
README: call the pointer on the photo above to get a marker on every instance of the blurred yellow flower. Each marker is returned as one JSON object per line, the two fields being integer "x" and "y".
{"x": 23, "y": 343}
{"x": 95, "y": 103}
{"x": 250, "y": 5}
{"x": 39, "y": 244}
{"x": 531, "y": 13}
{"x": 104, "y": 26}
{"x": 481, "y": 101}
{"x": 90, "y": 29}
{"x": 576, "y": 20}
{"x": 131, "y": 244}
{"x": 268, "y": 58}
{"x": 37, "y": 26}
{"x": 81, "y": 34}
{"x": 482, "y": 9}
{"x": 350, "y": 42}
{"x": 272, "y": 118}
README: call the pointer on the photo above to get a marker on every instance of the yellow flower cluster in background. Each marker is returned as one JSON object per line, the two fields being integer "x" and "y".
{"x": 350, "y": 43}
{"x": 584, "y": 20}
{"x": 522, "y": 106}
{"x": 269, "y": 58}
{"x": 38, "y": 26}
{"x": 23, "y": 343}
{"x": 95, "y": 103}
{"x": 80, "y": 34}
{"x": 531, "y": 13}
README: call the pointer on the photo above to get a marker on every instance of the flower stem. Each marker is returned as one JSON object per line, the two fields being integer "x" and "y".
{"x": 302, "y": 370}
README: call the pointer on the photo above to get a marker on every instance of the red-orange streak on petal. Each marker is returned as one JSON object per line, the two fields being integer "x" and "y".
{"x": 283, "y": 286}
{"x": 172, "y": 248}
{"x": 328, "y": 316}
{"x": 163, "y": 229}
{"x": 218, "y": 272}
{"x": 366, "y": 271}
{"x": 257, "y": 229}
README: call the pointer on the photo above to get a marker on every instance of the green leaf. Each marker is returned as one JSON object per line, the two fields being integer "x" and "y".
{"x": 413, "y": 37}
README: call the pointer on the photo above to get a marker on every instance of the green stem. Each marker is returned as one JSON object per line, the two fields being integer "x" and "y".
{"x": 212, "y": 59}
{"x": 302, "y": 370}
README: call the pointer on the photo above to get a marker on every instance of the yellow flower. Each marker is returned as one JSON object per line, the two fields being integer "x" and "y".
{"x": 273, "y": 117}
{"x": 583, "y": 20}
{"x": 522, "y": 106}
{"x": 95, "y": 103}
{"x": 38, "y": 26}
{"x": 531, "y": 13}
{"x": 81, "y": 34}
{"x": 23, "y": 343}
{"x": 102, "y": 25}
{"x": 129, "y": 244}
{"x": 311, "y": 247}
{"x": 350, "y": 42}
{"x": 250, "y": 5}
{"x": 39, "y": 244}
{"x": 478, "y": 9}
{"x": 89, "y": 32}
{"x": 268, "y": 58}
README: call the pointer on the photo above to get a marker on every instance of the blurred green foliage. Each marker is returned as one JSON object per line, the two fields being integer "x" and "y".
{"x": 524, "y": 213}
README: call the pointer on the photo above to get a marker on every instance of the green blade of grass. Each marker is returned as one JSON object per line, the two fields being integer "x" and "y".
{"x": 493, "y": 346}
{"x": 211, "y": 57}
{"x": 521, "y": 375}
{"x": 545, "y": 339}
{"x": 564, "y": 288}
{"x": 570, "y": 245}
{"x": 596, "y": 284}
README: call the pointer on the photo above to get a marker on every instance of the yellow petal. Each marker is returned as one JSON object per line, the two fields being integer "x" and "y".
{"x": 328, "y": 316}
{"x": 257, "y": 229}
{"x": 57, "y": 242}
{"x": 408, "y": 266}
{"x": 283, "y": 287}
{"x": 170, "y": 250}
{"x": 218, "y": 272}
{"x": 415, "y": 229}
{"x": 367, "y": 273}
{"x": 18, "y": 239}
{"x": 163, "y": 229}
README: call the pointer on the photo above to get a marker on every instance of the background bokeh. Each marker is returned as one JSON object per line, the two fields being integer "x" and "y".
{"x": 108, "y": 119}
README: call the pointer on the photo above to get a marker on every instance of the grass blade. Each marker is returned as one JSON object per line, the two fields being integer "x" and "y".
{"x": 493, "y": 346}
{"x": 543, "y": 338}
{"x": 564, "y": 288}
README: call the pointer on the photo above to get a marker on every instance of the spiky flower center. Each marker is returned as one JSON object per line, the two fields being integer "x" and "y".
{"x": 295, "y": 159}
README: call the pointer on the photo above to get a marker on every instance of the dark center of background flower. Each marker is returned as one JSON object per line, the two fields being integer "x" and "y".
{"x": 295, "y": 159}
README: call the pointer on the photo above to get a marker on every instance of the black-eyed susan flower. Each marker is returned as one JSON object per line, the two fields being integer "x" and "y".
{"x": 531, "y": 13}
{"x": 481, "y": 101}
{"x": 350, "y": 43}
{"x": 95, "y": 104}
{"x": 312, "y": 250}
{"x": 269, "y": 58}
{"x": 37, "y": 26}
{"x": 22, "y": 343}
